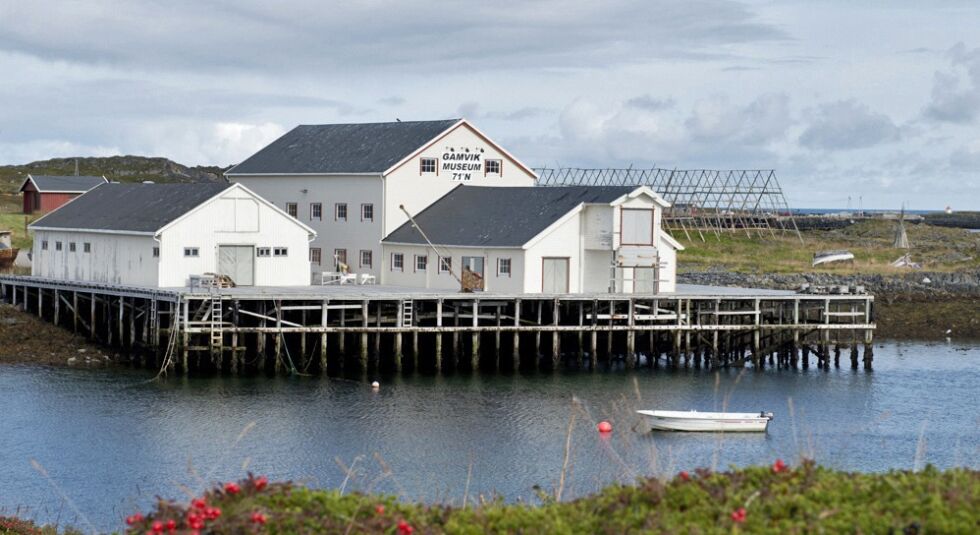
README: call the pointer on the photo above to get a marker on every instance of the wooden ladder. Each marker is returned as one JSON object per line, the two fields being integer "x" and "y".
{"x": 407, "y": 313}
{"x": 217, "y": 335}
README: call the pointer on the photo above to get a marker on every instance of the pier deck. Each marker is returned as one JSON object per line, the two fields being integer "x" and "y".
{"x": 318, "y": 328}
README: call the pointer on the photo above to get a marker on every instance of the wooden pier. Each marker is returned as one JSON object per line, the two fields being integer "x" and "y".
{"x": 377, "y": 328}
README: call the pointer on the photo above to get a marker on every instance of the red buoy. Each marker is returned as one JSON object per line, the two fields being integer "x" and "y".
{"x": 604, "y": 427}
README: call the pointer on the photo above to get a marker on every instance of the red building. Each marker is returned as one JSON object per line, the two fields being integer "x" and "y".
{"x": 44, "y": 193}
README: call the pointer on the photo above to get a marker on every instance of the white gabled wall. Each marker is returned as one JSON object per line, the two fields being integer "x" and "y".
{"x": 405, "y": 185}
{"x": 563, "y": 240}
{"x": 235, "y": 218}
{"x": 113, "y": 258}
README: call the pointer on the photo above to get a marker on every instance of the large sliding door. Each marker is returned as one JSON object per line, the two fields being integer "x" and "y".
{"x": 554, "y": 275}
{"x": 237, "y": 262}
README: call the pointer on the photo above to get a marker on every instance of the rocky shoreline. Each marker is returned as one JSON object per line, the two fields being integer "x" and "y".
{"x": 26, "y": 339}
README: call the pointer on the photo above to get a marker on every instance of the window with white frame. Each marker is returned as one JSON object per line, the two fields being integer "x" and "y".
{"x": 491, "y": 167}
{"x": 367, "y": 212}
{"x": 316, "y": 211}
{"x": 263, "y": 251}
{"x": 315, "y": 255}
{"x": 156, "y": 252}
{"x": 421, "y": 262}
{"x": 367, "y": 259}
{"x": 280, "y": 251}
{"x": 71, "y": 247}
{"x": 340, "y": 211}
{"x": 57, "y": 246}
{"x": 397, "y": 262}
{"x": 292, "y": 208}
{"x": 428, "y": 165}
{"x": 445, "y": 264}
{"x": 44, "y": 245}
{"x": 192, "y": 251}
{"x": 87, "y": 247}
{"x": 503, "y": 267}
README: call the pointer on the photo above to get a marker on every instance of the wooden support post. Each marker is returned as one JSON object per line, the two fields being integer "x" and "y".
{"x": 475, "y": 344}
{"x": 854, "y": 356}
{"x": 74, "y": 312}
{"x": 185, "y": 337}
{"x": 363, "y": 352}
{"x": 581, "y": 332}
{"x": 609, "y": 333}
{"x": 555, "y": 338}
{"x": 439, "y": 336}
{"x": 496, "y": 340}
{"x": 399, "y": 322}
{"x": 757, "y": 359}
{"x": 376, "y": 354}
{"x": 91, "y": 324}
{"x": 456, "y": 352}
{"x": 235, "y": 350}
{"x": 516, "y": 357}
{"x": 57, "y": 307}
{"x": 537, "y": 335}
{"x": 594, "y": 337}
{"x": 415, "y": 349}
{"x": 341, "y": 340}
{"x": 324, "y": 316}
{"x": 122, "y": 313}
{"x": 304, "y": 357}
{"x": 40, "y": 302}
{"x": 132, "y": 323}
{"x": 261, "y": 337}
{"x": 630, "y": 335}
{"x": 277, "y": 364}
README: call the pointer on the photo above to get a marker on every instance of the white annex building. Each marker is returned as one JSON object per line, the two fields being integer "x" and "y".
{"x": 348, "y": 181}
{"x": 552, "y": 240}
{"x": 161, "y": 235}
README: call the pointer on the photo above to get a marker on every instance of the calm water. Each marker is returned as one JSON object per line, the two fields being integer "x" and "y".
{"x": 110, "y": 442}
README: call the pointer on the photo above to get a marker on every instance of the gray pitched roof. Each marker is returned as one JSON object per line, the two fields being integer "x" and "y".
{"x": 130, "y": 207}
{"x": 483, "y": 216}
{"x": 342, "y": 148}
{"x": 66, "y": 183}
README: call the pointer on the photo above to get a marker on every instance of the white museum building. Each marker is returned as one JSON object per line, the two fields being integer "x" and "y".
{"x": 553, "y": 240}
{"x": 349, "y": 181}
{"x": 162, "y": 235}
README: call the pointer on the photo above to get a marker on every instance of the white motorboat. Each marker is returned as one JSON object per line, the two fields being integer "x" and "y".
{"x": 707, "y": 421}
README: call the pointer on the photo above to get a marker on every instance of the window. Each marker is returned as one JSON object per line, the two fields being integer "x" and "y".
{"x": 192, "y": 251}
{"x": 367, "y": 212}
{"x": 503, "y": 267}
{"x": 57, "y": 246}
{"x": 397, "y": 262}
{"x": 445, "y": 264}
{"x": 316, "y": 212}
{"x": 428, "y": 165}
{"x": 263, "y": 251}
{"x": 637, "y": 226}
{"x": 339, "y": 257}
{"x": 315, "y": 255}
{"x": 340, "y": 211}
{"x": 280, "y": 251}
{"x": 421, "y": 262}
{"x": 71, "y": 247}
{"x": 88, "y": 248}
{"x": 156, "y": 252}
{"x": 366, "y": 259}
{"x": 44, "y": 245}
{"x": 291, "y": 208}
{"x": 492, "y": 167}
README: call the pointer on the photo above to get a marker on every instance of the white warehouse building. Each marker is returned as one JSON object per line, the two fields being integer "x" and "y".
{"x": 348, "y": 181}
{"x": 161, "y": 235}
{"x": 552, "y": 240}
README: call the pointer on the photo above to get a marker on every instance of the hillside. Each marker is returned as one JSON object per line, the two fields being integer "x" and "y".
{"x": 117, "y": 168}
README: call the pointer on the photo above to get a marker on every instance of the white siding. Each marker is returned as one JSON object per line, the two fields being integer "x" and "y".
{"x": 563, "y": 240}
{"x": 114, "y": 258}
{"x": 406, "y": 185}
{"x": 431, "y": 278}
{"x": 353, "y": 235}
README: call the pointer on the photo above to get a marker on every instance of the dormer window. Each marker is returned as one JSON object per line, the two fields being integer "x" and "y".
{"x": 428, "y": 165}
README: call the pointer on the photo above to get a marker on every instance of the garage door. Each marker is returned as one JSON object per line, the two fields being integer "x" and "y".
{"x": 237, "y": 262}
{"x": 554, "y": 275}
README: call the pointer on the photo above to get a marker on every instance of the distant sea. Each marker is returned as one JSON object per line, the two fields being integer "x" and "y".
{"x": 820, "y": 211}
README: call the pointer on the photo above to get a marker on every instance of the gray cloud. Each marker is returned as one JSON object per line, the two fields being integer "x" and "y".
{"x": 222, "y": 35}
{"x": 648, "y": 103}
{"x": 847, "y": 125}
{"x": 956, "y": 93}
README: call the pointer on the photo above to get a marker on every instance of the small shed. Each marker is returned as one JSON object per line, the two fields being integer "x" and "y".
{"x": 163, "y": 235}
{"x": 552, "y": 240}
{"x": 44, "y": 193}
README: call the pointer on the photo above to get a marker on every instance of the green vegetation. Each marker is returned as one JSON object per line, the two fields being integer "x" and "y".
{"x": 936, "y": 248}
{"x": 776, "y": 499}
{"x": 117, "y": 168}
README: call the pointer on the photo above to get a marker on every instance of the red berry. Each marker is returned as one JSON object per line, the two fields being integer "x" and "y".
{"x": 738, "y": 515}
{"x": 258, "y": 518}
{"x": 404, "y": 528}
{"x": 778, "y": 466}
{"x": 232, "y": 488}
{"x": 130, "y": 521}
{"x": 171, "y": 525}
{"x": 199, "y": 503}
{"x": 158, "y": 527}
{"x": 380, "y": 509}
{"x": 684, "y": 476}
{"x": 261, "y": 482}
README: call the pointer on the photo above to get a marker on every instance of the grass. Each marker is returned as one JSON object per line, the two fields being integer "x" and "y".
{"x": 936, "y": 248}
{"x": 767, "y": 499}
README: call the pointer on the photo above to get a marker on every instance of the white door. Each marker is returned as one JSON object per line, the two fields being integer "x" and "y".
{"x": 644, "y": 280}
{"x": 554, "y": 275}
{"x": 237, "y": 262}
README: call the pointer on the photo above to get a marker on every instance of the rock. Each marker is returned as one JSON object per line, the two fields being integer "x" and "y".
{"x": 71, "y": 360}
{"x": 82, "y": 350}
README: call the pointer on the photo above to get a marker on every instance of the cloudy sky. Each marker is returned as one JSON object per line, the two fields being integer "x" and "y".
{"x": 879, "y": 102}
